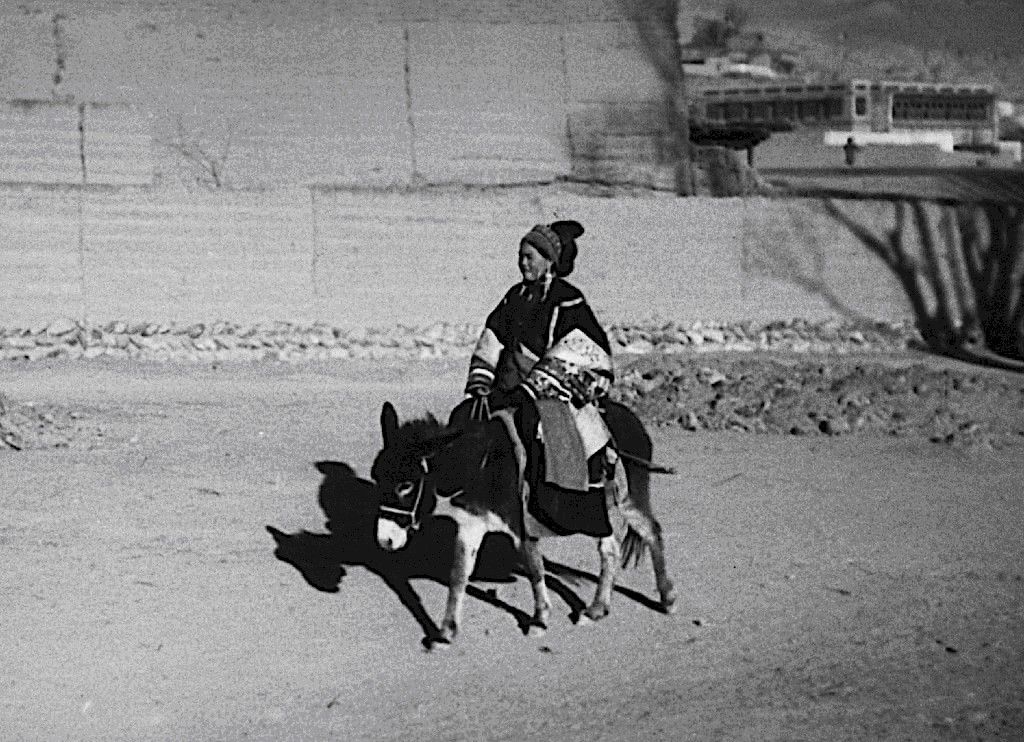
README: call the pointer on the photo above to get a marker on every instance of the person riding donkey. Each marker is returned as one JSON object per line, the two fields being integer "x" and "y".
{"x": 543, "y": 353}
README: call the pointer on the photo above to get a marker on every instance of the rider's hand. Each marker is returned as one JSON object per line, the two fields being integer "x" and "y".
{"x": 478, "y": 384}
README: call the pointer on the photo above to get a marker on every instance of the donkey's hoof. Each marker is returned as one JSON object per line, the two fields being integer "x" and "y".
{"x": 536, "y": 630}
{"x": 442, "y": 639}
{"x": 594, "y": 613}
{"x": 669, "y": 605}
{"x": 437, "y": 643}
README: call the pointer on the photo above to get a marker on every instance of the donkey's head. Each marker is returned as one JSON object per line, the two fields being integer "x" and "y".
{"x": 403, "y": 475}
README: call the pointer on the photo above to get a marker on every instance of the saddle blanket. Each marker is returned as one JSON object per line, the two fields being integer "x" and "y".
{"x": 554, "y": 509}
{"x": 565, "y": 461}
{"x": 565, "y": 512}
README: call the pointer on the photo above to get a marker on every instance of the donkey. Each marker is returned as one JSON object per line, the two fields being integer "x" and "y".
{"x": 472, "y": 472}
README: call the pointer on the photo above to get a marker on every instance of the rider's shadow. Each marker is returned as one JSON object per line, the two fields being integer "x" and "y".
{"x": 350, "y": 505}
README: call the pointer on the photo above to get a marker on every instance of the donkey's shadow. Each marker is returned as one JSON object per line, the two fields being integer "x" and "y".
{"x": 350, "y": 505}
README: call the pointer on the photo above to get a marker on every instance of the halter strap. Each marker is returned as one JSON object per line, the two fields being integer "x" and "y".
{"x": 414, "y": 522}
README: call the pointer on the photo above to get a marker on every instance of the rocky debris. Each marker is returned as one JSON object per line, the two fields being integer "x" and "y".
{"x": 828, "y": 378}
{"x": 297, "y": 342}
{"x": 833, "y": 396}
{"x": 23, "y": 426}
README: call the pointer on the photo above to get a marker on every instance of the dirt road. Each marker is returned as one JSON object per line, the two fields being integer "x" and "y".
{"x": 831, "y": 588}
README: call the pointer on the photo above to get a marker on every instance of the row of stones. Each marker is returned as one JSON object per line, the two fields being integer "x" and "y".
{"x": 286, "y": 341}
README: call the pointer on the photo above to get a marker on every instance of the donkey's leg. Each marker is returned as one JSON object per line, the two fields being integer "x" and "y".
{"x": 666, "y": 589}
{"x": 648, "y": 529}
{"x": 608, "y": 547}
{"x": 468, "y": 538}
{"x": 535, "y": 568}
{"x": 635, "y": 509}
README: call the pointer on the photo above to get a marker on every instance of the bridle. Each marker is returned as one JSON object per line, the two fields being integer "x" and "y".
{"x": 412, "y": 513}
{"x": 480, "y": 410}
{"x": 414, "y": 521}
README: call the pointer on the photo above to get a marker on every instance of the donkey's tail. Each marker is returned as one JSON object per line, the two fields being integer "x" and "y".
{"x": 633, "y": 548}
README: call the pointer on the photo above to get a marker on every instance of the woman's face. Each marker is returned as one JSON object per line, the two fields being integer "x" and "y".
{"x": 532, "y": 264}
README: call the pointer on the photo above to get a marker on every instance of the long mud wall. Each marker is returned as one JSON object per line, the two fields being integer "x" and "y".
{"x": 220, "y": 160}
{"x": 379, "y": 259}
{"x": 357, "y": 93}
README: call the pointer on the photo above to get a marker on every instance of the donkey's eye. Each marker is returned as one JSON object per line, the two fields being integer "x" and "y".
{"x": 404, "y": 489}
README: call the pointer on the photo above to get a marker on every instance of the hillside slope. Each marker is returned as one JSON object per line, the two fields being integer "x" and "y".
{"x": 955, "y": 40}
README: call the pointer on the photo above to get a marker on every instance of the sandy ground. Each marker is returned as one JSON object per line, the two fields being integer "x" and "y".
{"x": 832, "y": 588}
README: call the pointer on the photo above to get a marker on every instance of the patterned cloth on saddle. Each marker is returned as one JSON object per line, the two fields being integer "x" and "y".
{"x": 561, "y": 499}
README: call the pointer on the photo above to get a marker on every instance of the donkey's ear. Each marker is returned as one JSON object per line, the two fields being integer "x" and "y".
{"x": 388, "y": 422}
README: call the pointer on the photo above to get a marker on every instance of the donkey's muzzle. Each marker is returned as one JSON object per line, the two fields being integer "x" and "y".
{"x": 390, "y": 535}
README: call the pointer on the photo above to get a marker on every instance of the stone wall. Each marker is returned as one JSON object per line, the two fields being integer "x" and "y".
{"x": 290, "y": 342}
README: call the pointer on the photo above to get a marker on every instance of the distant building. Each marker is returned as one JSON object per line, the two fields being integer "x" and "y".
{"x": 732, "y": 65}
{"x": 743, "y": 69}
{"x": 705, "y": 66}
{"x": 943, "y": 115}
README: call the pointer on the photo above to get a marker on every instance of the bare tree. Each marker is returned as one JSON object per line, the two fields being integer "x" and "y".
{"x": 655, "y": 22}
{"x": 718, "y": 34}
{"x": 735, "y": 17}
{"x": 798, "y": 257}
{"x": 211, "y": 164}
{"x": 962, "y": 272}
